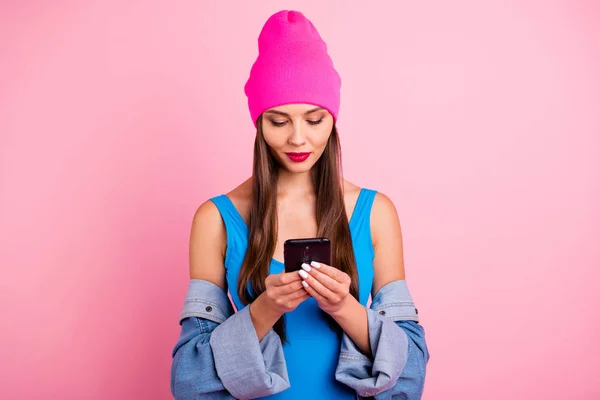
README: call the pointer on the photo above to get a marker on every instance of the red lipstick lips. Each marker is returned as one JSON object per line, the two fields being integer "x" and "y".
{"x": 298, "y": 157}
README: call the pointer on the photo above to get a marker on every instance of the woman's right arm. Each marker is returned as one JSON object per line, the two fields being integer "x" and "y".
{"x": 219, "y": 354}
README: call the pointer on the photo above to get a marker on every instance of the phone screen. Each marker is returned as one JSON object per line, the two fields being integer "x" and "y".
{"x": 298, "y": 251}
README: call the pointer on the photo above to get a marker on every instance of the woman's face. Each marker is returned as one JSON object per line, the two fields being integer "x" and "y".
{"x": 297, "y": 134}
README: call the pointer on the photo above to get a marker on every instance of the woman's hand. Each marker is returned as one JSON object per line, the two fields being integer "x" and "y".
{"x": 283, "y": 293}
{"x": 328, "y": 285}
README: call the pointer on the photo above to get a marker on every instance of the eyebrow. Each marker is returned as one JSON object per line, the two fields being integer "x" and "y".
{"x": 312, "y": 110}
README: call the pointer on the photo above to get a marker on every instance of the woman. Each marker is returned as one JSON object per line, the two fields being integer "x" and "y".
{"x": 306, "y": 334}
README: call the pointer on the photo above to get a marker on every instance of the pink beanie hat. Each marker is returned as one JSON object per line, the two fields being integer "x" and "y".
{"x": 293, "y": 66}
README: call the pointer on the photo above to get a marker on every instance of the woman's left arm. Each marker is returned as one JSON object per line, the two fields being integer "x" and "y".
{"x": 383, "y": 352}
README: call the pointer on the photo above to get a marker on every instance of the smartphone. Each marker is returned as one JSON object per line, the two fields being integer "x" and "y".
{"x": 298, "y": 251}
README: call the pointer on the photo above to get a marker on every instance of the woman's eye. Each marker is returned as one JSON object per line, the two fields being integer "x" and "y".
{"x": 278, "y": 123}
{"x": 315, "y": 122}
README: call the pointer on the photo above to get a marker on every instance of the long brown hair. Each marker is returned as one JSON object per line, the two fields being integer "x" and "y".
{"x": 332, "y": 220}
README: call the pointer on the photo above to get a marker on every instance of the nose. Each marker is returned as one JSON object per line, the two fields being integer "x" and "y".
{"x": 297, "y": 135}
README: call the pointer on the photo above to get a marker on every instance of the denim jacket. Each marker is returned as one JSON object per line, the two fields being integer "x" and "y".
{"x": 218, "y": 354}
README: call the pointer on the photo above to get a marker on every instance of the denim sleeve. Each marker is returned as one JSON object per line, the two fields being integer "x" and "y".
{"x": 218, "y": 354}
{"x": 400, "y": 355}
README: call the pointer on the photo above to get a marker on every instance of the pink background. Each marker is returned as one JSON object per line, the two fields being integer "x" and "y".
{"x": 481, "y": 122}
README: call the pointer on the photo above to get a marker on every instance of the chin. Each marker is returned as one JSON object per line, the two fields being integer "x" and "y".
{"x": 296, "y": 167}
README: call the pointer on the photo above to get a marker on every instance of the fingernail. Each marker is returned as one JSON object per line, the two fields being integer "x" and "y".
{"x": 304, "y": 283}
{"x": 305, "y": 267}
{"x": 303, "y": 274}
{"x": 315, "y": 264}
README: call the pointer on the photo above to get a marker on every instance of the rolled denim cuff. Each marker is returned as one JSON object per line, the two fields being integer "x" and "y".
{"x": 248, "y": 368}
{"x": 395, "y": 302}
{"x": 370, "y": 377}
{"x": 389, "y": 343}
{"x": 206, "y": 300}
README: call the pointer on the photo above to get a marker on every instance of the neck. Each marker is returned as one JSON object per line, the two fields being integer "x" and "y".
{"x": 295, "y": 184}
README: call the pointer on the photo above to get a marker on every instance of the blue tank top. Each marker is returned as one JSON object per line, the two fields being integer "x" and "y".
{"x": 312, "y": 350}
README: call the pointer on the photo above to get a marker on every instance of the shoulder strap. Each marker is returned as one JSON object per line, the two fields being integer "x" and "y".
{"x": 361, "y": 216}
{"x": 237, "y": 230}
{"x": 231, "y": 217}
